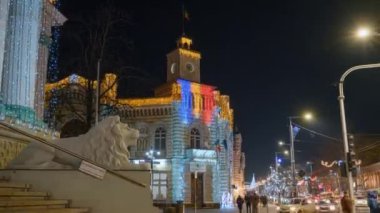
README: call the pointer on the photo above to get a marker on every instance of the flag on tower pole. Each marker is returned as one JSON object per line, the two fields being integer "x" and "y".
{"x": 185, "y": 16}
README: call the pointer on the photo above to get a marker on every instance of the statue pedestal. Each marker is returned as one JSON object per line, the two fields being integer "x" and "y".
{"x": 112, "y": 194}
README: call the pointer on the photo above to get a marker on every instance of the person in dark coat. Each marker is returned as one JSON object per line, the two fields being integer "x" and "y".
{"x": 346, "y": 203}
{"x": 372, "y": 202}
{"x": 264, "y": 200}
{"x": 239, "y": 202}
{"x": 247, "y": 199}
{"x": 255, "y": 203}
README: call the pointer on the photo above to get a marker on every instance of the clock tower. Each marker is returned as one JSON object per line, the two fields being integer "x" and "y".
{"x": 183, "y": 62}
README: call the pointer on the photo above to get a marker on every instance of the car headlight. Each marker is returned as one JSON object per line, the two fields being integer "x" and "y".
{"x": 317, "y": 207}
{"x": 278, "y": 208}
{"x": 332, "y": 208}
{"x": 292, "y": 208}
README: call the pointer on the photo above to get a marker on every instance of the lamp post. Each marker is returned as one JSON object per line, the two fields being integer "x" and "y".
{"x": 151, "y": 155}
{"x": 307, "y": 116}
{"x": 277, "y": 159}
{"x": 311, "y": 167}
{"x": 343, "y": 119}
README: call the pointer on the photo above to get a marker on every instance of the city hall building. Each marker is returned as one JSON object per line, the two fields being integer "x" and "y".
{"x": 190, "y": 125}
{"x": 186, "y": 131}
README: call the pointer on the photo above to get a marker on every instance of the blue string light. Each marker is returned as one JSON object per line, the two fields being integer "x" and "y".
{"x": 52, "y": 72}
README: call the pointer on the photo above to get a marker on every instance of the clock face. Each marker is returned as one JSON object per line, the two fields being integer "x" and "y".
{"x": 173, "y": 68}
{"x": 190, "y": 67}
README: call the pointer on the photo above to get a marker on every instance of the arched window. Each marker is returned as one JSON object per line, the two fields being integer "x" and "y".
{"x": 195, "y": 139}
{"x": 160, "y": 140}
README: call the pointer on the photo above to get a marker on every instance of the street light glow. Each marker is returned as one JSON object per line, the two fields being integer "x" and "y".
{"x": 286, "y": 152}
{"x": 363, "y": 32}
{"x": 308, "y": 116}
{"x": 281, "y": 143}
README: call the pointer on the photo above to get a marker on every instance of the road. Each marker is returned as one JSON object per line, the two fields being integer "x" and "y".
{"x": 271, "y": 209}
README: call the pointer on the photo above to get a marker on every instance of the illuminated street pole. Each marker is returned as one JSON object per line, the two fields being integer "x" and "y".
{"x": 307, "y": 116}
{"x": 150, "y": 155}
{"x": 276, "y": 158}
{"x": 343, "y": 119}
{"x": 97, "y": 93}
{"x": 292, "y": 159}
{"x": 276, "y": 161}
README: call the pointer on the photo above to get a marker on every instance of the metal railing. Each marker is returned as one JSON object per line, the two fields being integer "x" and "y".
{"x": 45, "y": 142}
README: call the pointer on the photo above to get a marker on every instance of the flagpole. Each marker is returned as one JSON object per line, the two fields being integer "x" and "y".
{"x": 183, "y": 18}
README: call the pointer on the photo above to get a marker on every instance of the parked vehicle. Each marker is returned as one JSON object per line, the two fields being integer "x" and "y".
{"x": 297, "y": 205}
{"x": 361, "y": 204}
{"x": 327, "y": 206}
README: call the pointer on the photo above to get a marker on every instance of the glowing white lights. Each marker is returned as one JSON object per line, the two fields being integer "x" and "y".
{"x": 363, "y": 32}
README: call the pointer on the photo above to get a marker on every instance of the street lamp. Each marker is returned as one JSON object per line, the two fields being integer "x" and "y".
{"x": 365, "y": 32}
{"x": 277, "y": 159}
{"x": 309, "y": 163}
{"x": 282, "y": 143}
{"x": 151, "y": 155}
{"x": 343, "y": 119}
{"x": 306, "y": 116}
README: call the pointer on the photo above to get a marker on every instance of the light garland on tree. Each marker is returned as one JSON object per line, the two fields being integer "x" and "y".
{"x": 52, "y": 72}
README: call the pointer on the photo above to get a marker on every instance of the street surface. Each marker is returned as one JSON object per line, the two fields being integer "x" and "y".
{"x": 271, "y": 209}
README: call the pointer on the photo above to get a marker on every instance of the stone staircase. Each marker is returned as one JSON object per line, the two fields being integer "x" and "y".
{"x": 19, "y": 198}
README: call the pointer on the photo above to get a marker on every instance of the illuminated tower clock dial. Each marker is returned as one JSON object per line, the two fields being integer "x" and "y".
{"x": 173, "y": 67}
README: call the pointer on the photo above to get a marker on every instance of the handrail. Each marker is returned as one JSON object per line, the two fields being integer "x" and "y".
{"x": 71, "y": 153}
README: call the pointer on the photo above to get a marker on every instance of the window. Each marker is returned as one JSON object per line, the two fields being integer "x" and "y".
{"x": 195, "y": 138}
{"x": 159, "y": 187}
{"x": 160, "y": 140}
{"x": 142, "y": 145}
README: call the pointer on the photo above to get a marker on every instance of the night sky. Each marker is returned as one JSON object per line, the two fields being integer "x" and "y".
{"x": 274, "y": 58}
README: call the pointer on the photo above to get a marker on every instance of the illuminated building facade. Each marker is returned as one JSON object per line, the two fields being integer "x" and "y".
{"x": 24, "y": 39}
{"x": 72, "y": 93}
{"x": 238, "y": 181}
{"x": 189, "y": 124}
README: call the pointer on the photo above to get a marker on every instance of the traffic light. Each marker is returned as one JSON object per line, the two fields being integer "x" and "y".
{"x": 301, "y": 173}
{"x": 351, "y": 155}
{"x": 342, "y": 168}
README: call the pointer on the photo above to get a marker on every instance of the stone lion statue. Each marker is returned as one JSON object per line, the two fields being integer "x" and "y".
{"x": 107, "y": 144}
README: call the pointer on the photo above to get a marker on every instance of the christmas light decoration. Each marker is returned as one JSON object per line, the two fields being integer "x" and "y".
{"x": 53, "y": 72}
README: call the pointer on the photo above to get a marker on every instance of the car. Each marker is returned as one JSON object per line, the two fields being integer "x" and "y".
{"x": 361, "y": 204}
{"x": 327, "y": 206}
{"x": 296, "y": 205}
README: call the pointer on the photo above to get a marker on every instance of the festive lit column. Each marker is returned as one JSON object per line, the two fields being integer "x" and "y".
{"x": 4, "y": 7}
{"x": 178, "y": 164}
{"x": 20, "y": 58}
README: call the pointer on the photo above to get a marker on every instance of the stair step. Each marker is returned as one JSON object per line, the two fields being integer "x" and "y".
{"x": 25, "y": 204}
{"x": 65, "y": 210}
{"x": 10, "y": 185}
{"x": 16, "y": 195}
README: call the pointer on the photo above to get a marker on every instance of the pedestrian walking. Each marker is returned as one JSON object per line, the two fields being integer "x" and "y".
{"x": 247, "y": 199}
{"x": 372, "y": 202}
{"x": 264, "y": 200}
{"x": 346, "y": 203}
{"x": 255, "y": 202}
{"x": 239, "y": 202}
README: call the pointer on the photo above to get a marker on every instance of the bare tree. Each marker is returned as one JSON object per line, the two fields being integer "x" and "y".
{"x": 98, "y": 36}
